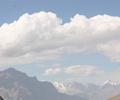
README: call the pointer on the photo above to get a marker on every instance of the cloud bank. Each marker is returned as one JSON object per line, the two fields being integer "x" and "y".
{"x": 85, "y": 70}
{"x": 43, "y": 36}
{"x": 80, "y": 70}
{"x": 83, "y": 73}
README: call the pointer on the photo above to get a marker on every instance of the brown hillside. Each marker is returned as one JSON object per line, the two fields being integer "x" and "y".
{"x": 115, "y": 98}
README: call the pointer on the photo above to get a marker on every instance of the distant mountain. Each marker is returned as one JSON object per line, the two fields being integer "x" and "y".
{"x": 15, "y": 85}
{"x": 111, "y": 83}
{"x": 90, "y": 91}
{"x": 115, "y": 98}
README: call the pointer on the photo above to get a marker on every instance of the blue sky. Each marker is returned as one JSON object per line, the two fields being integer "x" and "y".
{"x": 11, "y": 10}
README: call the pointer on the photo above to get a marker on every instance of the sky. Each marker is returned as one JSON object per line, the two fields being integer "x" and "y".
{"x": 58, "y": 40}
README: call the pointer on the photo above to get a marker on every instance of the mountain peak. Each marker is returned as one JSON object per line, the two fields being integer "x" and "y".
{"x": 110, "y": 82}
{"x": 12, "y": 73}
{"x": 11, "y": 69}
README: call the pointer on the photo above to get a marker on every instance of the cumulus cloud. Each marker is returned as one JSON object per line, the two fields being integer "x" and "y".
{"x": 111, "y": 49}
{"x": 43, "y": 36}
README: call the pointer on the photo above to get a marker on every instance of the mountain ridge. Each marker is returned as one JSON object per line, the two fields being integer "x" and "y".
{"x": 90, "y": 91}
{"x": 16, "y": 85}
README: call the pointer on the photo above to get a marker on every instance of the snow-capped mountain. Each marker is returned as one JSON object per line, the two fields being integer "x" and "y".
{"x": 110, "y": 82}
{"x": 91, "y": 91}
{"x": 15, "y": 85}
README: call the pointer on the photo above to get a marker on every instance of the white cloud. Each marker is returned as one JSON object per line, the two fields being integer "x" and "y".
{"x": 80, "y": 70}
{"x": 94, "y": 75}
{"x": 83, "y": 73}
{"x": 84, "y": 70}
{"x": 43, "y": 36}
{"x": 111, "y": 49}
{"x": 52, "y": 71}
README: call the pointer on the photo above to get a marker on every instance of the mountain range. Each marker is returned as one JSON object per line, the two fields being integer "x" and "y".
{"x": 16, "y": 85}
{"x": 91, "y": 91}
